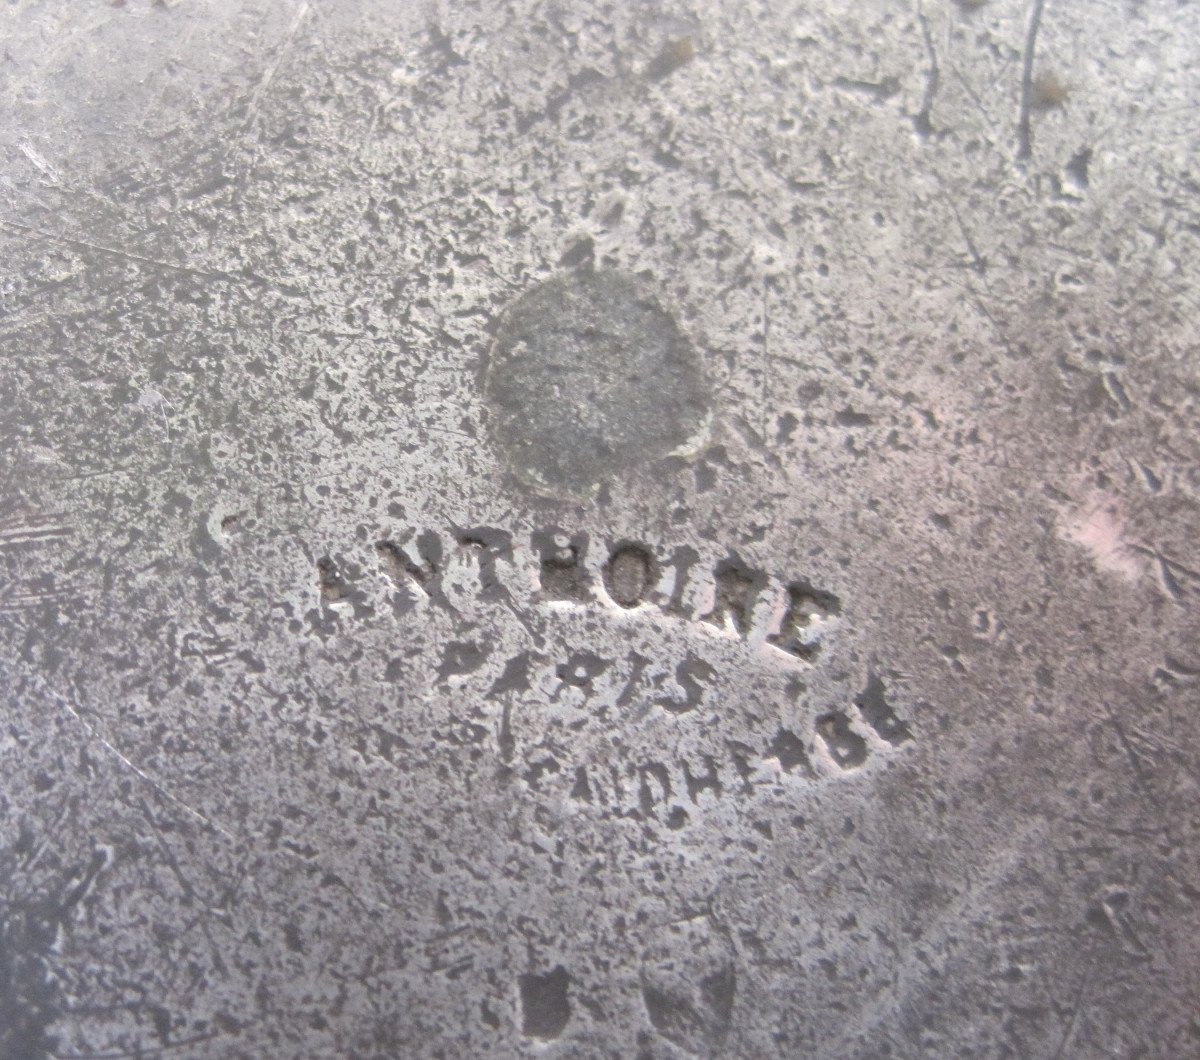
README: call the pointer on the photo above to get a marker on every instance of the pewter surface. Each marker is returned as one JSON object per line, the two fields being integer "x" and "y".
{"x": 589, "y": 377}
{"x": 866, "y": 729}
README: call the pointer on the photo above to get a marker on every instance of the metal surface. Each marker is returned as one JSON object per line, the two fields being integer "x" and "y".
{"x": 599, "y": 529}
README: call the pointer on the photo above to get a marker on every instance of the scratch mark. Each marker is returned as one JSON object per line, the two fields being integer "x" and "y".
{"x": 511, "y": 604}
{"x": 188, "y": 890}
{"x": 272, "y": 69}
{"x": 1072, "y": 1023}
{"x": 12, "y": 602}
{"x": 45, "y": 168}
{"x": 1116, "y": 392}
{"x": 985, "y": 873}
{"x": 1169, "y": 571}
{"x": 977, "y": 261}
{"x": 85, "y": 475}
{"x": 1168, "y": 581}
{"x": 1141, "y": 780}
{"x": 1024, "y": 130}
{"x": 91, "y": 731}
{"x": 15, "y": 535}
{"x": 880, "y": 91}
{"x": 974, "y": 96}
{"x": 44, "y": 841}
{"x": 982, "y": 307}
{"x": 83, "y": 244}
{"x": 447, "y": 430}
{"x": 922, "y": 121}
{"x": 766, "y": 363}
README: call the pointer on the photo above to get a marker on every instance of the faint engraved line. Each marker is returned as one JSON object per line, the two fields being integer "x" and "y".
{"x": 156, "y": 785}
{"x": 272, "y": 69}
{"x": 1024, "y": 129}
{"x": 83, "y": 244}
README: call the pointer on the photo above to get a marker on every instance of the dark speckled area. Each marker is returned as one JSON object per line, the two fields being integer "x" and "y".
{"x": 590, "y": 376}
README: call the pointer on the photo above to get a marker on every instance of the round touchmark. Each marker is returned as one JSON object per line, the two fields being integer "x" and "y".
{"x": 589, "y": 375}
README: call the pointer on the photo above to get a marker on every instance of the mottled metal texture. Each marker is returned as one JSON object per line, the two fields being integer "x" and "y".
{"x": 835, "y": 696}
